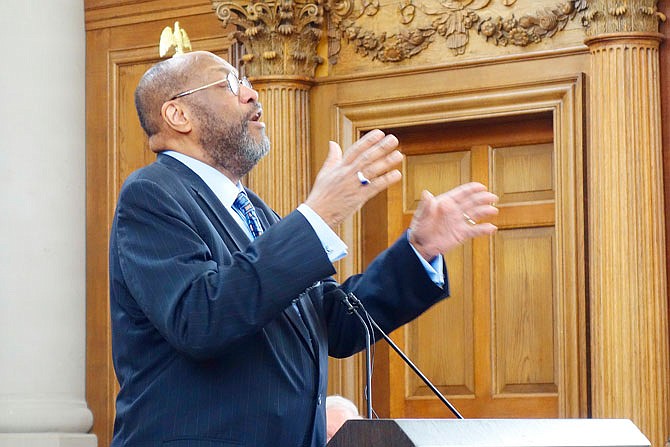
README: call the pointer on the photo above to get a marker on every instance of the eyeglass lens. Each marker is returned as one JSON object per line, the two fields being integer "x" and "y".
{"x": 234, "y": 83}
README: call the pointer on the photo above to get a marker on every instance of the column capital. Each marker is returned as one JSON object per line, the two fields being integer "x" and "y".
{"x": 615, "y": 16}
{"x": 280, "y": 36}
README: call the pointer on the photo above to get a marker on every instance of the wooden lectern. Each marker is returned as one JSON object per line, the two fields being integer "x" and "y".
{"x": 489, "y": 433}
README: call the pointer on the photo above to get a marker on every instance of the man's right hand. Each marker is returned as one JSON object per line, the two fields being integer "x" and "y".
{"x": 337, "y": 192}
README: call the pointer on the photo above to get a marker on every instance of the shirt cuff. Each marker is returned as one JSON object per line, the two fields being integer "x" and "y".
{"x": 433, "y": 269}
{"x": 335, "y": 248}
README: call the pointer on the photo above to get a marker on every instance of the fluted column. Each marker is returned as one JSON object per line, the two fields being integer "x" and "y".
{"x": 628, "y": 292}
{"x": 280, "y": 38}
{"x": 282, "y": 178}
{"x": 42, "y": 246}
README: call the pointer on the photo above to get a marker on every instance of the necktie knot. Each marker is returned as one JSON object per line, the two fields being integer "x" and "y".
{"x": 246, "y": 210}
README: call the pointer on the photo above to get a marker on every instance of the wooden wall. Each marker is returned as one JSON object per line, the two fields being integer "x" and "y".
{"x": 496, "y": 92}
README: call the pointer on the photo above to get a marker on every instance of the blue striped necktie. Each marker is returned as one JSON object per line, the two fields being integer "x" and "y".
{"x": 246, "y": 210}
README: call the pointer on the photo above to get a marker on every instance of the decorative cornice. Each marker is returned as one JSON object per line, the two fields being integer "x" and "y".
{"x": 451, "y": 20}
{"x": 280, "y": 36}
{"x": 622, "y": 16}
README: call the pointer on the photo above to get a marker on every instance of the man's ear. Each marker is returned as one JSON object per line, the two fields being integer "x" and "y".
{"x": 176, "y": 117}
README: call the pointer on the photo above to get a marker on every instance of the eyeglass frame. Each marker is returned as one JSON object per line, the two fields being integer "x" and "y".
{"x": 230, "y": 77}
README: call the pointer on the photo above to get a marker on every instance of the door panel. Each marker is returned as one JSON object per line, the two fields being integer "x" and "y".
{"x": 491, "y": 348}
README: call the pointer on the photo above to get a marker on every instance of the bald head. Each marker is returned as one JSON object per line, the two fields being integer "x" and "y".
{"x": 338, "y": 410}
{"x": 164, "y": 80}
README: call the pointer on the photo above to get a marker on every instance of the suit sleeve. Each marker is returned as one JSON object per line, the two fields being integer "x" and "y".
{"x": 394, "y": 289}
{"x": 199, "y": 304}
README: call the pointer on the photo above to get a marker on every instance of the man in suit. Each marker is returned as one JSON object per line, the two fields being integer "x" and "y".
{"x": 223, "y": 315}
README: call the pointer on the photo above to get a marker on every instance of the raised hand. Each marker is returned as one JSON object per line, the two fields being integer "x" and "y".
{"x": 443, "y": 222}
{"x": 346, "y": 181}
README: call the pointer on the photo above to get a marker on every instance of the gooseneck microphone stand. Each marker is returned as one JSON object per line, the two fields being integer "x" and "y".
{"x": 355, "y": 303}
{"x": 368, "y": 362}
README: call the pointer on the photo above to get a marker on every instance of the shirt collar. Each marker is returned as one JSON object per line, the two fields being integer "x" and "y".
{"x": 221, "y": 185}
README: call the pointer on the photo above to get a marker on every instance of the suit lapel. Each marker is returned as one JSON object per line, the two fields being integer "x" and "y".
{"x": 234, "y": 236}
{"x": 224, "y": 223}
{"x": 222, "y": 220}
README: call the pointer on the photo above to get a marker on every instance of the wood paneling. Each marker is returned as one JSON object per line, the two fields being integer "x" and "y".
{"x": 450, "y": 365}
{"x": 444, "y": 131}
{"x": 432, "y": 172}
{"x": 526, "y": 338}
{"x": 523, "y": 173}
{"x": 509, "y": 355}
{"x": 101, "y": 14}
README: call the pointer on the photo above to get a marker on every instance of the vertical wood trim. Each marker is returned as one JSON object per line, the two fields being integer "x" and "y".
{"x": 665, "y": 122}
{"x": 99, "y": 370}
{"x": 482, "y": 249}
{"x": 629, "y": 315}
{"x": 570, "y": 256}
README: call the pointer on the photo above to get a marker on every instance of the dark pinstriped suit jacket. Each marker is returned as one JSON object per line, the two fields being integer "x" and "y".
{"x": 207, "y": 347}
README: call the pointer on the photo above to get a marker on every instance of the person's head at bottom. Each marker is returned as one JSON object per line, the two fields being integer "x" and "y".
{"x": 338, "y": 410}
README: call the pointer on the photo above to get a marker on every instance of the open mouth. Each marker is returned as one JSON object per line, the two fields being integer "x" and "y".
{"x": 256, "y": 116}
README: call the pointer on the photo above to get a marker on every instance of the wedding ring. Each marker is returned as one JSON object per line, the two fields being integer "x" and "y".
{"x": 362, "y": 179}
{"x": 469, "y": 220}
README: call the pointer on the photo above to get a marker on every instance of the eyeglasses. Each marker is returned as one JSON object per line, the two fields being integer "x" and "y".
{"x": 233, "y": 84}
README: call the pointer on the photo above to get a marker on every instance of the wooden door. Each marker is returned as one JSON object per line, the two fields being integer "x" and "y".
{"x": 492, "y": 347}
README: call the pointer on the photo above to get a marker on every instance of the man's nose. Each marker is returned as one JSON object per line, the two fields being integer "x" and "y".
{"x": 247, "y": 94}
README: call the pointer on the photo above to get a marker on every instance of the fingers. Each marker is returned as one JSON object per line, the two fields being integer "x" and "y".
{"x": 373, "y": 155}
{"x": 483, "y": 229}
{"x": 466, "y": 191}
{"x": 480, "y": 212}
{"x": 382, "y": 182}
{"x": 425, "y": 204}
{"x": 473, "y": 200}
{"x": 382, "y": 165}
{"x": 334, "y": 155}
{"x": 363, "y": 144}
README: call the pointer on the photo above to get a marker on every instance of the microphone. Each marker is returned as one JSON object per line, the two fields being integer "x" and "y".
{"x": 355, "y": 303}
{"x": 351, "y": 309}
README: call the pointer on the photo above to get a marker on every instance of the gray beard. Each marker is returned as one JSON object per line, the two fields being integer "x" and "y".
{"x": 231, "y": 147}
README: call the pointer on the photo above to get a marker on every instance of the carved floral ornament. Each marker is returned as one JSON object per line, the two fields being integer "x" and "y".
{"x": 280, "y": 36}
{"x": 289, "y": 30}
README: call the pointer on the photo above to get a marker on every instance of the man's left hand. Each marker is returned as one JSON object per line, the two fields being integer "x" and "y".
{"x": 443, "y": 222}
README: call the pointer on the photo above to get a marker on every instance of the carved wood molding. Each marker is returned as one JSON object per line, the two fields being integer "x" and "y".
{"x": 617, "y": 16}
{"x": 101, "y": 14}
{"x": 280, "y": 36}
{"x": 452, "y": 21}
